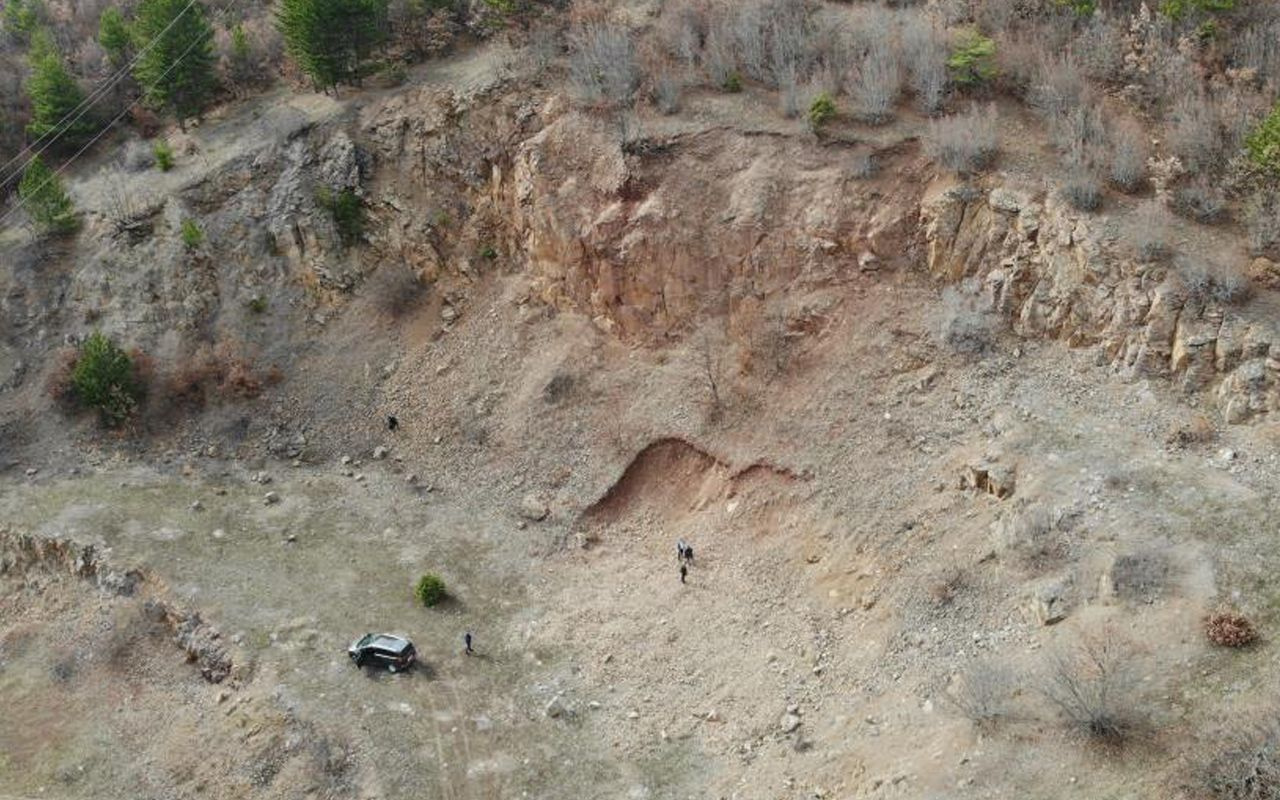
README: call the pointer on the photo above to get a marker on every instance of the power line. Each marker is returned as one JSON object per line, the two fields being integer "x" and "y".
{"x": 54, "y": 175}
{"x": 88, "y": 102}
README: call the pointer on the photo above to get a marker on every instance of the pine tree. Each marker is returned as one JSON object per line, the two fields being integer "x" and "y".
{"x": 55, "y": 95}
{"x": 242, "y": 68}
{"x": 113, "y": 35}
{"x": 177, "y": 72}
{"x": 45, "y": 201}
{"x": 331, "y": 39}
{"x": 23, "y": 17}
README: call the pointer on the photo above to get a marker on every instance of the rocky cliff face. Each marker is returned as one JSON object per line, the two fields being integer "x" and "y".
{"x": 644, "y": 237}
{"x": 1053, "y": 273}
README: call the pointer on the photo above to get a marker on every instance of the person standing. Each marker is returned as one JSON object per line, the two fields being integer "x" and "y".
{"x": 466, "y": 638}
{"x": 683, "y": 572}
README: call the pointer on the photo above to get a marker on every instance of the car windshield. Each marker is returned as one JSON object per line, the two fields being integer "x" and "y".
{"x": 364, "y": 640}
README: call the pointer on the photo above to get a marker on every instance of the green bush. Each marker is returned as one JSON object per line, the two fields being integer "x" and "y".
{"x": 973, "y": 62}
{"x": 192, "y": 236}
{"x": 45, "y": 199}
{"x": 1264, "y": 143}
{"x": 732, "y": 82}
{"x": 347, "y": 211}
{"x": 822, "y": 110}
{"x": 1178, "y": 9}
{"x": 1083, "y": 8}
{"x": 430, "y": 589}
{"x": 104, "y": 379}
{"x": 164, "y": 155}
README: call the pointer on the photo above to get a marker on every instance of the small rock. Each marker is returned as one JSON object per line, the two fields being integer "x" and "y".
{"x": 219, "y": 533}
{"x": 713, "y": 716}
{"x": 291, "y": 537}
{"x": 411, "y": 478}
{"x": 32, "y": 471}
{"x": 594, "y": 705}
{"x": 534, "y": 508}
{"x": 270, "y": 498}
{"x": 448, "y": 314}
{"x": 196, "y": 505}
{"x": 379, "y": 452}
{"x": 790, "y": 722}
{"x": 359, "y": 478}
{"x": 633, "y": 715}
{"x": 555, "y": 708}
{"x": 345, "y": 460}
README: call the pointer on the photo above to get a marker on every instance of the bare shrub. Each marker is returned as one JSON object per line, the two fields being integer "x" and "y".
{"x": 1262, "y": 221}
{"x": 790, "y": 35}
{"x": 862, "y": 165}
{"x": 966, "y": 142}
{"x": 1230, "y": 629}
{"x": 1257, "y": 47}
{"x": 395, "y": 289}
{"x": 925, "y": 52}
{"x": 747, "y": 24}
{"x": 1094, "y": 684}
{"x": 1201, "y": 201}
{"x": 1129, "y": 152}
{"x": 1100, "y": 50}
{"x": 683, "y": 29}
{"x": 876, "y": 85}
{"x": 58, "y": 383}
{"x": 1149, "y": 233}
{"x": 1058, "y": 93}
{"x": 1206, "y": 282}
{"x": 967, "y": 327}
{"x": 220, "y": 371}
{"x": 720, "y": 59}
{"x": 1020, "y": 58}
{"x": 946, "y": 586}
{"x": 983, "y": 693}
{"x": 602, "y": 65}
{"x": 1083, "y": 190}
{"x": 1141, "y": 575}
{"x": 1241, "y": 761}
{"x": 1194, "y": 132}
{"x": 666, "y": 92}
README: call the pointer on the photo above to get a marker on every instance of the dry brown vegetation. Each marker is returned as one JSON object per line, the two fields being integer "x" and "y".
{"x": 1230, "y": 629}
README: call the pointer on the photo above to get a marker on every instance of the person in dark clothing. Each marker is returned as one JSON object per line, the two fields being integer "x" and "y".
{"x": 683, "y": 572}
{"x": 688, "y": 553}
{"x": 681, "y": 549}
{"x": 392, "y": 422}
{"x": 466, "y": 638}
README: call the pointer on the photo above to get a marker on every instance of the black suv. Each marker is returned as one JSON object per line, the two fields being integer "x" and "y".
{"x": 383, "y": 649}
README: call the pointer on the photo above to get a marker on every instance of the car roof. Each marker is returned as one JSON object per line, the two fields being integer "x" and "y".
{"x": 387, "y": 641}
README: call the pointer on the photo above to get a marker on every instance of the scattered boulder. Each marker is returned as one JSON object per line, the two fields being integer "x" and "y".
{"x": 534, "y": 508}
{"x": 990, "y": 477}
{"x": 1050, "y": 603}
{"x": 555, "y": 708}
{"x": 790, "y": 722}
{"x": 270, "y": 498}
{"x": 380, "y": 452}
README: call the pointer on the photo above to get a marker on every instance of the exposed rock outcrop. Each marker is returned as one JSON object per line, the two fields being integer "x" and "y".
{"x": 1054, "y": 274}
{"x": 201, "y": 642}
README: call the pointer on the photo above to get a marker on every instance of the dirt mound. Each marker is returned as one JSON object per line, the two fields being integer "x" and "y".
{"x": 674, "y": 477}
